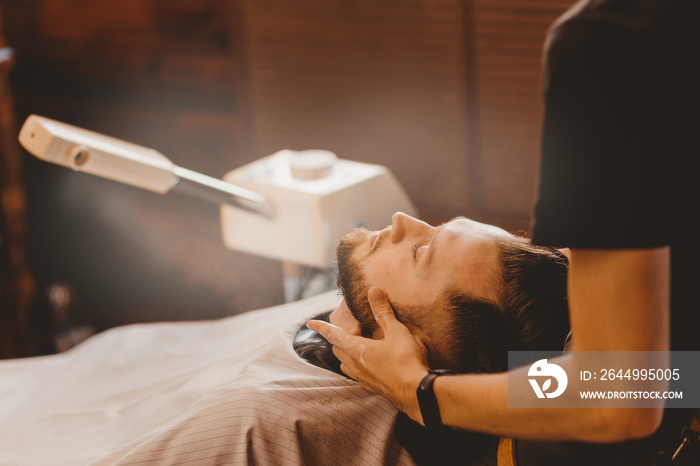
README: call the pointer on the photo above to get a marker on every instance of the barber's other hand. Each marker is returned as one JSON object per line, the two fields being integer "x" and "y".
{"x": 392, "y": 366}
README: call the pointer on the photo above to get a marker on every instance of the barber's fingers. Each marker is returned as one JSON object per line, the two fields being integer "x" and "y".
{"x": 351, "y": 354}
{"x": 335, "y": 335}
{"x": 382, "y": 310}
{"x": 348, "y": 365}
{"x": 353, "y": 369}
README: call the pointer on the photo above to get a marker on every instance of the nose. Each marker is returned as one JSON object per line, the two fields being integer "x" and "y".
{"x": 405, "y": 226}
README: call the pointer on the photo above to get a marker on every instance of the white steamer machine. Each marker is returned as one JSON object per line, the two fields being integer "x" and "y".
{"x": 291, "y": 206}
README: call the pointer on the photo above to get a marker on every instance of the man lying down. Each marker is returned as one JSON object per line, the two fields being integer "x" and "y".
{"x": 469, "y": 293}
{"x": 234, "y": 390}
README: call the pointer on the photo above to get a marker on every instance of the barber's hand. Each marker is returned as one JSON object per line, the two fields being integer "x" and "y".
{"x": 393, "y": 366}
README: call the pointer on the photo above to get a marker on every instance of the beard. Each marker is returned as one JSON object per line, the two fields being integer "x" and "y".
{"x": 352, "y": 282}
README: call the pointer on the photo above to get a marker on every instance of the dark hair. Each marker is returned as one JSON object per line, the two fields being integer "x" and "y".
{"x": 531, "y": 313}
{"x": 534, "y": 295}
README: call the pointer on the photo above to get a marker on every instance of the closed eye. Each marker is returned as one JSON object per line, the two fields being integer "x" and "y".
{"x": 414, "y": 249}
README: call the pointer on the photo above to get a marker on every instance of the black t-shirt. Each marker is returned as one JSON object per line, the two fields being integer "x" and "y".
{"x": 620, "y": 138}
{"x": 620, "y": 145}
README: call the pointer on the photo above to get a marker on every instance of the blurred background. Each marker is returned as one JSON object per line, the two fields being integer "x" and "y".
{"x": 445, "y": 93}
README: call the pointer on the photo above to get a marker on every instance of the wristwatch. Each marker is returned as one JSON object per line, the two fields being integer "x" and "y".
{"x": 426, "y": 398}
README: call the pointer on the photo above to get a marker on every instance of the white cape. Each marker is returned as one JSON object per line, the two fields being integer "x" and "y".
{"x": 230, "y": 391}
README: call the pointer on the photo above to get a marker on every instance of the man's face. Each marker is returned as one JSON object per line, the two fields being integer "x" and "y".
{"x": 413, "y": 261}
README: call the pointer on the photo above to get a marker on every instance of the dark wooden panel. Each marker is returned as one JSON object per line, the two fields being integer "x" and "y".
{"x": 509, "y": 39}
{"x": 446, "y": 94}
{"x": 381, "y": 82}
{"x": 17, "y": 285}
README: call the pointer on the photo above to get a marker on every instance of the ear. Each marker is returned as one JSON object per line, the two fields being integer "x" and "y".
{"x": 423, "y": 348}
{"x": 421, "y": 339}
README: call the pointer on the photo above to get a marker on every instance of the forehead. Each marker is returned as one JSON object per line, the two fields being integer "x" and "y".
{"x": 471, "y": 230}
{"x": 467, "y": 256}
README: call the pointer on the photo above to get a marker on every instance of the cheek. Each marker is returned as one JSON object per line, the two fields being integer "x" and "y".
{"x": 393, "y": 271}
{"x": 398, "y": 281}
{"x": 383, "y": 271}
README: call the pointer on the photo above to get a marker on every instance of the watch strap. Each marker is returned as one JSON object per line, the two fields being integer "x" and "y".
{"x": 427, "y": 401}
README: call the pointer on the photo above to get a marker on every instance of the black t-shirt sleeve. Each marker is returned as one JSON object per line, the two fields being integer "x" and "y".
{"x": 600, "y": 150}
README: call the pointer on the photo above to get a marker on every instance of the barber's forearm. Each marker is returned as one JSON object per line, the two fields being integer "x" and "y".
{"x": 479, "y": 402}
{"x": 619, "y": 300}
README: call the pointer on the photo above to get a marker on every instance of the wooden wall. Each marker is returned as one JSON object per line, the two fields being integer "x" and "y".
{"x": 16, "y": 279}
{"x": 508, "y": 38}
{"x": 384, "y": 83}
{"x": 446, "y": 93}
